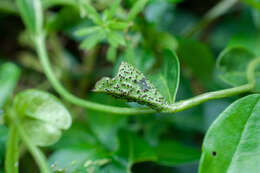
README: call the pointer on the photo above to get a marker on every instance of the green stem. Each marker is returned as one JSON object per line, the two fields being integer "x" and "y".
{"x": 36, "y": 153}
{"x": 221, "y": 8}
{"x": 186, "y": 104}
{"x": 176, "y": 107}
{"x": 12, "y": 151}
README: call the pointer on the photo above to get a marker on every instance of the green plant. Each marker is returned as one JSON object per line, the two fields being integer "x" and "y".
{"x": 112, "y": 142}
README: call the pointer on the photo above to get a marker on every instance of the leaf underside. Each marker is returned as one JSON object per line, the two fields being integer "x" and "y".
{"x": 132, "y": 85}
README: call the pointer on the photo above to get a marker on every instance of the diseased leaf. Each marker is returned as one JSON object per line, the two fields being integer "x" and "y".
{"x": 233, "y": 62}
{"x": 131, "y": 84}
{"x": 9, "y": 75}
{"x": 42, "y": 116}
{"x": 167, "y": 81}
{"x": 171, "y": 153}
{"x": 232, "y": 143}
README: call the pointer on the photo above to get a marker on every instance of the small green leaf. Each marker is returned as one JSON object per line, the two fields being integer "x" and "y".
{"x": 32, "y": 15}
{"x": 116, "y": 25}
{"x": 42, "y": 116}
{"x": 232, "y": 142}
{"x": 137, "y": 8}
{"x": 167, "y": 81}
{"x": 112, "y": 10}
{"x": 9, "y": 75}
{"x": 115, "y": 38}
{"x": 171, "y": 153}
{"x": 87, "y": 31}
{"x": 90, "y": 12}
{"x": 132, "y": 85}
{"x": 233, "y": 62}
{"x": 92, "y": 40}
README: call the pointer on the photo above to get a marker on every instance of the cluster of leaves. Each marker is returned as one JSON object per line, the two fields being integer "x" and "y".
{"x": 144, "y": 42}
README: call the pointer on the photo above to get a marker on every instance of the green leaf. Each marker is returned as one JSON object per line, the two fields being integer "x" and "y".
{"x": 232, "y": 143}
{"x": 32, "y": 15}
{"x": 132, "y": 85}
{"x": 87, "y": 31}
{"x": 167, "y": 81}
{"x": 42, "y": 116}
{"x": 92, "y": 40}
{"x": 197, "y": 57}
{"x": 233, "y": 62}
{"x": 133, "y": 149}
{"x": 9, "y": 75}
{"x": 116, "y": 25}
{"x": 137, "y": 8}
{"x": 90, "y": 12}
{"x": 114, "y": 6}
{"x": 171, "y": 153}
{"x": 116, "y": 38}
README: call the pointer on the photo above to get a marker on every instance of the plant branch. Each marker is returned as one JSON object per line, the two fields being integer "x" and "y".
{"x": 12, "y": 151}
{"x": 176, "y": 107}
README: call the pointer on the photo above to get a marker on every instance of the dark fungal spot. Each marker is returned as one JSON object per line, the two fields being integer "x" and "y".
{"x": 142, "y": 83}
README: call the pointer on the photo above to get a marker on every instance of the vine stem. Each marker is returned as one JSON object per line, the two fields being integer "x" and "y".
{"x": 36, "y": 153}
{"x": 12, "y": 151}
{"x": 176, "y": 107}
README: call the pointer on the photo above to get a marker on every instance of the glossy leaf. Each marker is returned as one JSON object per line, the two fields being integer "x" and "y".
{"x": 172, "y": 153}
{"x": 9, "y": 75}
{"x": 232, "y": 63}
{"x": 232, "y": 143}
{"x": 167, "y": 81}
{"x": 132, "y": 85}
{"x": 42, "y": 116}
{"x": 32, "y": 15}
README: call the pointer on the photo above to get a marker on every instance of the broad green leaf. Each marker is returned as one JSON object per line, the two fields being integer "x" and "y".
{"x": 232, "y": 142}
{"x": 137, "y": 8}
{"x": 133, "y": 149}
{"x": 131, "y": 84}
{"x": 105, "y": 125}
{"x": 233, "y": 62}
{"x": 197, "y": 57}
{"x": 42, "y": 116}
{"x": 116, "y": 38}
{"x": 171, "y": 153}
{"x": 167, "y": 81}
{"x": 9, "y": 75}
{"x": 32, "y": 15}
